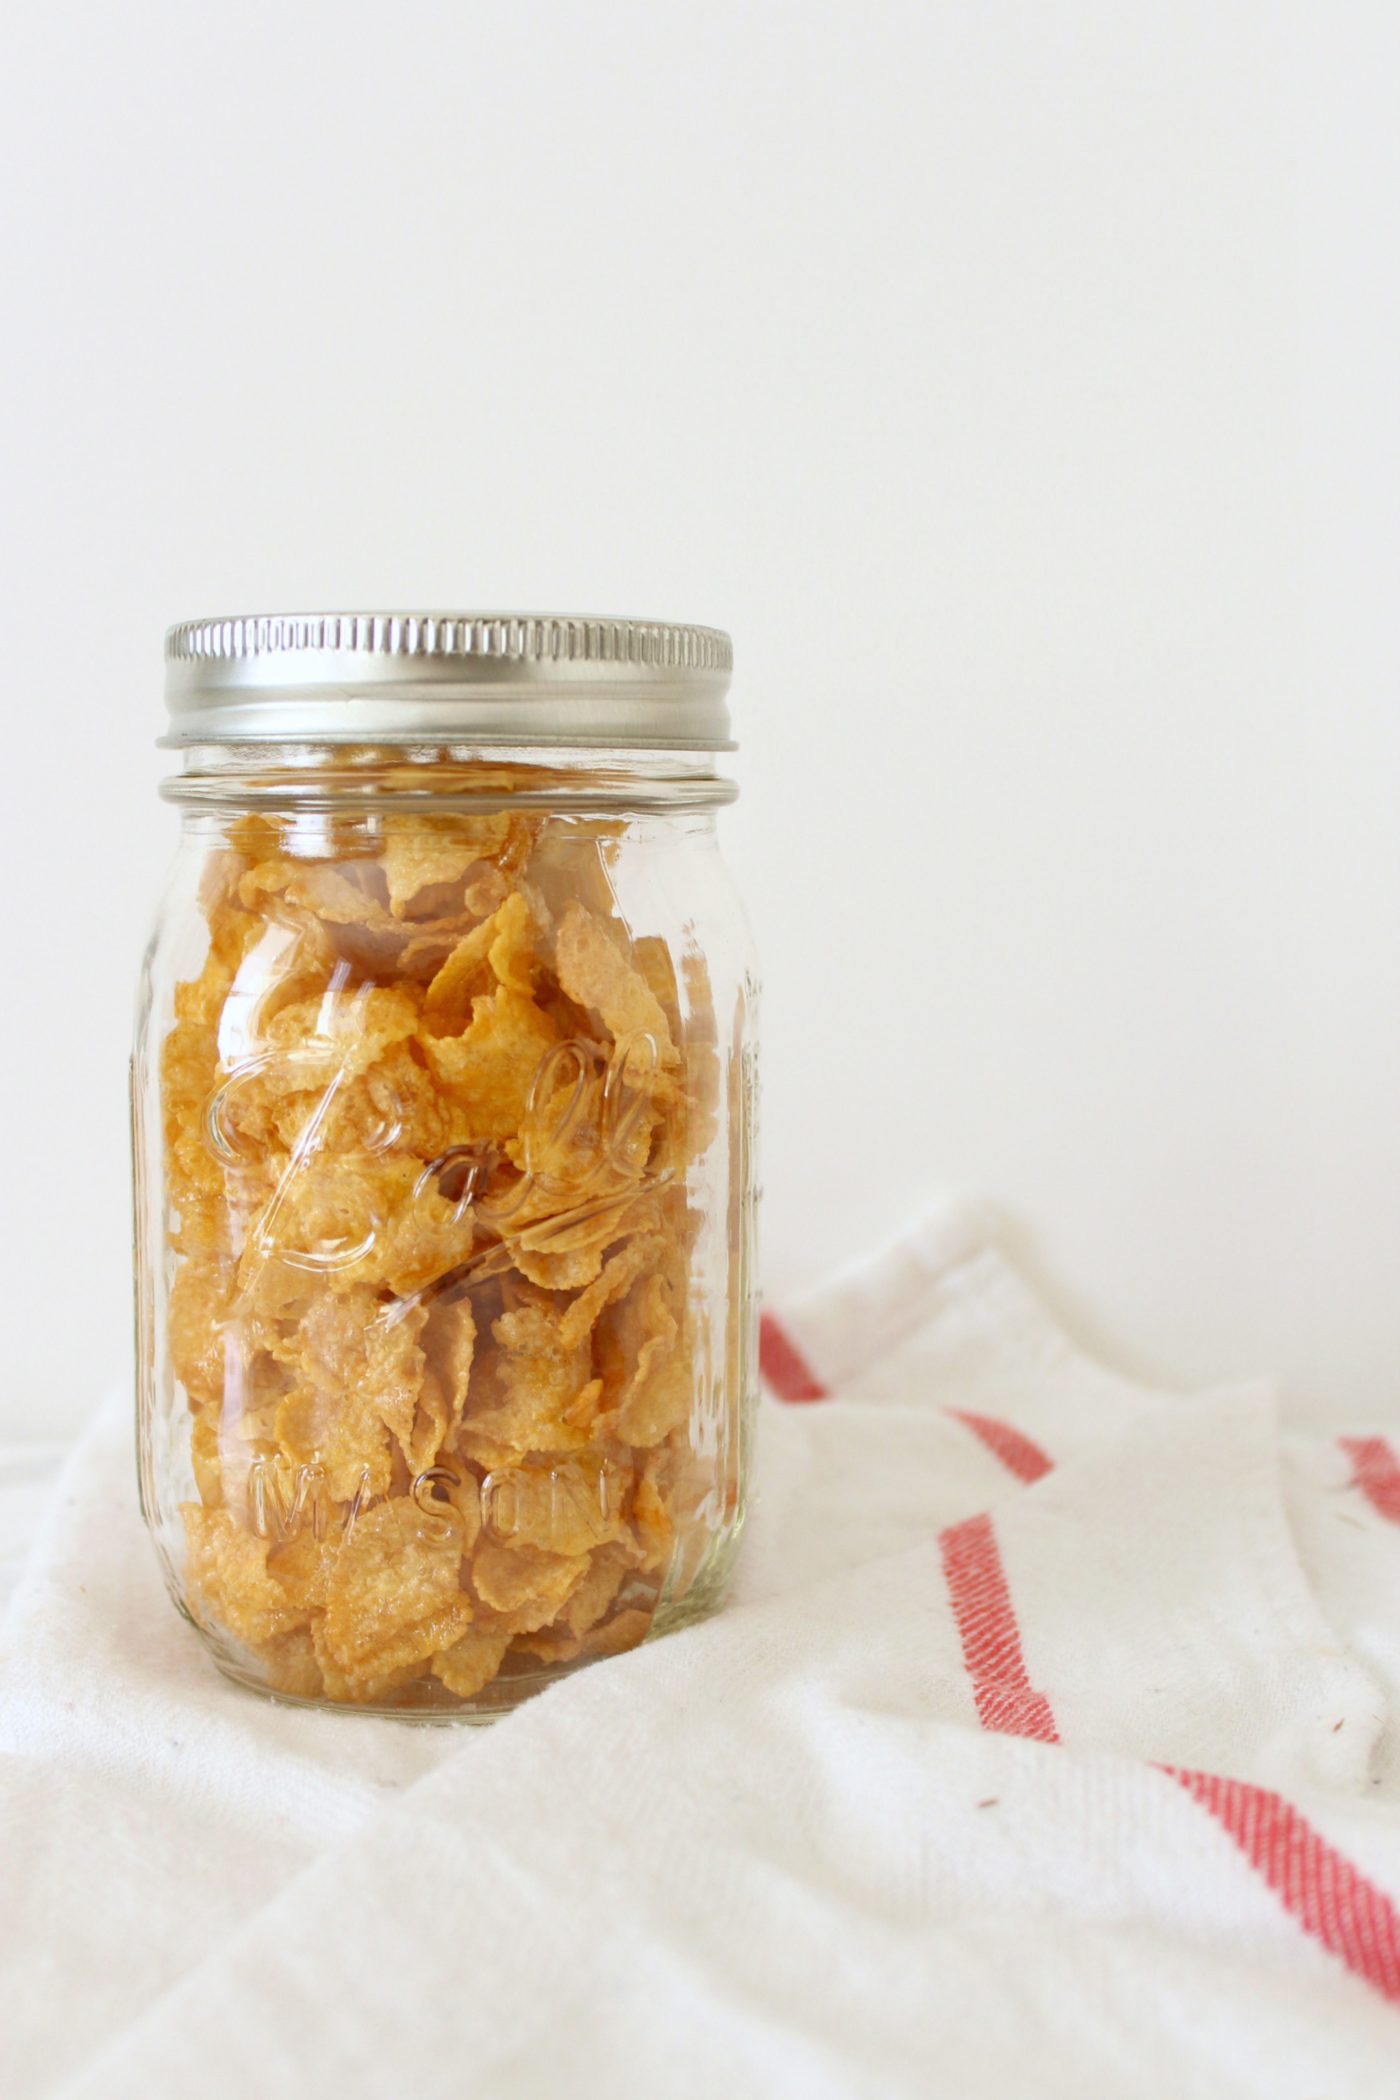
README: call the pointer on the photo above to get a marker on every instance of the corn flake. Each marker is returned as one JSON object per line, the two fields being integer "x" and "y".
{"x": 489, "y": 1069}
{"x": 595, "y": 973}
{"x": 227, "y": 1575}
{"x": 394, "y": 1596}
{"x": 468, "y": 1666}
{"x": 523, "y": 1584}
{"x": 360, "y": 1370}
{"x": 418, "y": 858}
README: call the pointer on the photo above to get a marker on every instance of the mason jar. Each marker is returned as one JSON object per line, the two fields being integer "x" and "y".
{"x": 444, "y": 1121}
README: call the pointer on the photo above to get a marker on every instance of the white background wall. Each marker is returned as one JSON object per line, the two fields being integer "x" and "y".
{"x": 1017, "y": 381}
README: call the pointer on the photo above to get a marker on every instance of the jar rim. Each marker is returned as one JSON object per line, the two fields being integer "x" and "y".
{"x": 524, "y": 679}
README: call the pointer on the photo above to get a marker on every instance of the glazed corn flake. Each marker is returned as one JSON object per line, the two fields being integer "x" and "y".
{"x": 429, "y": 1112}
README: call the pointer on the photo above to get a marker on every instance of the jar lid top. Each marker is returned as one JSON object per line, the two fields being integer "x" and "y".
{"x": 478, "y": 678}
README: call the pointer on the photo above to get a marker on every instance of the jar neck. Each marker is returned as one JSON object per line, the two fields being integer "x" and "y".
{"x": 279, "y": 776}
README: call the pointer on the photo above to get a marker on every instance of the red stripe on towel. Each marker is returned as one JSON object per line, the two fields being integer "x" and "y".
{"x": 1316, "y": 1884}
{"x": 1376, "y": 1471}
{"x": 1016, "y": 1452}
{"x": 783, "y": 1366}
{"x": 1007, "y": 1702}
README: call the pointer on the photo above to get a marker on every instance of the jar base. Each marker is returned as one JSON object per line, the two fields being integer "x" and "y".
{"x": 475, "y": 1713}
{"x": 701, "y": 1601}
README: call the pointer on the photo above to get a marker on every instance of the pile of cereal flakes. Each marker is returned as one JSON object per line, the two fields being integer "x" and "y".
{"x": 429, "y": 1111}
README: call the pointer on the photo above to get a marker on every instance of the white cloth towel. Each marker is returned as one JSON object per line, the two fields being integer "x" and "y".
{"x": 1048, "y": 1747}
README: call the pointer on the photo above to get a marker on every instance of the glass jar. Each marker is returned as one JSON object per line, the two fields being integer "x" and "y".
{"x": 443, "y": 1102}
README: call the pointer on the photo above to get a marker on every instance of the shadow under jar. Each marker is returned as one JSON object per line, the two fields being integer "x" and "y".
{"x": 444, "y": 1115}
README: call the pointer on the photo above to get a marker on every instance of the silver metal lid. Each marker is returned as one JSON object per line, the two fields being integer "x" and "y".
{"x": 478, "y": 678}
